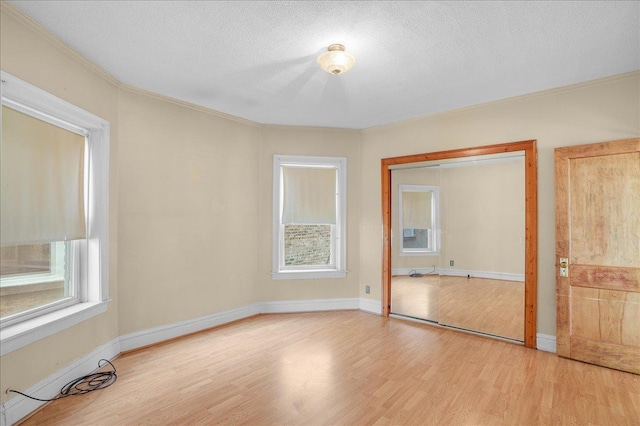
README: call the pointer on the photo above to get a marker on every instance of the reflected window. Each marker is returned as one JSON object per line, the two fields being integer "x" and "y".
{"x": 418, "y": 220}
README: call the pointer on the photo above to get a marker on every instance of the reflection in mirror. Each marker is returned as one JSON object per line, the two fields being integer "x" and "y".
{"x": 418, "y": 219}
{"x": 482, "y": 268}
{"x": 458, "y": 253}
{"x": 415, "y": 206}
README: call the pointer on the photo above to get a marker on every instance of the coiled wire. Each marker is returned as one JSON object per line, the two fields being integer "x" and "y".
{"x": 82, "y": 385}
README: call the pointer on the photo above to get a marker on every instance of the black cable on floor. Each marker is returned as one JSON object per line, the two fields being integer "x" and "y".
{"x": 82, "y": 385}
{"x": 414, "y": 274}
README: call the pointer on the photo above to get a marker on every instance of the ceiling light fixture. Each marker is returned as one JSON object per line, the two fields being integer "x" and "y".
{"x": 336, "y": 60}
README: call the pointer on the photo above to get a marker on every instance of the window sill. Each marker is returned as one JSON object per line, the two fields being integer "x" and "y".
{"x": 22, "y": 334}
{"x": 31, "y": 279}
{"x": 308, "y": 275}
{"x": 419, "y": 253}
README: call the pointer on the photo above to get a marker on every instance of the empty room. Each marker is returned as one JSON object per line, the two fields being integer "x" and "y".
{"x": 320, "y": 213}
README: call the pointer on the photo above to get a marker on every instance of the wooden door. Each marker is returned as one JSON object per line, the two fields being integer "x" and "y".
{"x": 598, "y": 232}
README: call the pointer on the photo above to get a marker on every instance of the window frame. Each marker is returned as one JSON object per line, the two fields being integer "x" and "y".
{"x": 435, "y": 221}
{"x": 339, "y": 230}
{"x": 93, "y": 265}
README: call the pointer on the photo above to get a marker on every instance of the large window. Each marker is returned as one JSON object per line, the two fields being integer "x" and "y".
{"x": 53, "y": 254}
{"x": 309, "y": 232}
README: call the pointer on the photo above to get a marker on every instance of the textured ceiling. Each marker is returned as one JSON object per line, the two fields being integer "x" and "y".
{"x": 257, "y": 60}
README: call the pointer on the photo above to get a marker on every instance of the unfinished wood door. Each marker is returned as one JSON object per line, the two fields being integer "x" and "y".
{"x": 598, "y": 232}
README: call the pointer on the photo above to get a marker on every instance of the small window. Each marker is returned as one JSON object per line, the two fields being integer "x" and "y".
{"x": 53, "y": 253}
{"x": 309, "y": 199}
{"x": 418, "y": 216}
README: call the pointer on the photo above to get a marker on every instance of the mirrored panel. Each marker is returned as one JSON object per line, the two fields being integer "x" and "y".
{"x": 458, "y": 244}
{"x": 415, "y": 242}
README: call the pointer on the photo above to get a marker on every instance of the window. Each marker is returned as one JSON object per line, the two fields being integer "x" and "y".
{"x": 418, "y": 215}
{"x": 53, "y": 254}
{"x": 33, "y": 276}
{"x": 309, "y": 217}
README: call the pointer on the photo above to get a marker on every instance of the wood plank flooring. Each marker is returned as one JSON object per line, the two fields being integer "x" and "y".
{"x": 480, "y": 304}
{"x": 416, "y": 297}
{"x": 349, "y": 368}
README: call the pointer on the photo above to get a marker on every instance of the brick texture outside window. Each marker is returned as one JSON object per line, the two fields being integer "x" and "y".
{"x": 419, "y": 240}
{"x": 307, "y": 244}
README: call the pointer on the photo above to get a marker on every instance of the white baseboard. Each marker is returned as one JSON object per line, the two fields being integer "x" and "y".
{"x": 371, "y": 305}
{"x": 309, "y": 305}
{"x": 483, "y": 274}
{"x": 546, "y": 342}
{"x": 170, "y": 331}
{"x": 460, "y": 273}
{"x": 407, "y": 271}
{"x": 20, "y": 406}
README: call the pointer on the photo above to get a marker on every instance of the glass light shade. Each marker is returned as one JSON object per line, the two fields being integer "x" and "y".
{"x": 336, "y": 60}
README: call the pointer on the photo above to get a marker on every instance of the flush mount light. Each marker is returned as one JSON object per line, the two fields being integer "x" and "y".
{"x": 336, "y": 60}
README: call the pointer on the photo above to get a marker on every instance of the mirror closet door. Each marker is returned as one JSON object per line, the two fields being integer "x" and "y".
{"x": 415, "y": 243}
{"x": 483, "y": 246}
{"x": 458, "y": 244}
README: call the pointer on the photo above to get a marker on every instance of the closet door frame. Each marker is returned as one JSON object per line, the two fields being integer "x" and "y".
{"x": 531, "y": 220}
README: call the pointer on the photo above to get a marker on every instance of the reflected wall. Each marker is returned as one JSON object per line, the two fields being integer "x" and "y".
{"x": 474, "y": 279}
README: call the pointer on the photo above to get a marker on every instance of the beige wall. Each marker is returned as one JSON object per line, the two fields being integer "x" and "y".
{"x": 483, "y": 217}
{"x": 29, "y": 54}
{"x": 195, "y": 211}
{"x": 188, "y": 232}
{"x": 314, "y": 142}
{"x": 603, "y": 110}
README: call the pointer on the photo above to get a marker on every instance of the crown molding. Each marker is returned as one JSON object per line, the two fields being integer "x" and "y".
{"x": 9, "y": 9}
{"x": 519, "y": 98}
{"x": 185, "y": 104}
{"x": 15, "y": 13}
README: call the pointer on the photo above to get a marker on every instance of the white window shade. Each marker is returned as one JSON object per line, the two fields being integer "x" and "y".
{"x": 309, "y": 195}
{"x": 416, "y": 210}
{"x": 42, "y": 172}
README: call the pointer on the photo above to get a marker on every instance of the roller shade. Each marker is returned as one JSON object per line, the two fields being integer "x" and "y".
{"x": 416, "y": 210}
{"x": 42, "y": 186}
{"x": 309, "y": 195}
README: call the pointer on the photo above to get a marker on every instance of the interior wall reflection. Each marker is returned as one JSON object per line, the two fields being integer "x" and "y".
{"x": 475, "y": 280}
{"x": 483, "y": 219}
{"x": 424, "y": 261}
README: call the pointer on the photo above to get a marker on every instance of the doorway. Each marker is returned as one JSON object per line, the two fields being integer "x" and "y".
{"x": 429, "y": 293}
{"x": 598, "y": 253}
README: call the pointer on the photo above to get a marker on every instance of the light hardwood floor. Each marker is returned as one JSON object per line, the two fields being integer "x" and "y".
{"x": 349, "y": 368}
{"x": 486, "y": 305}
{"x": 416, "y": 297}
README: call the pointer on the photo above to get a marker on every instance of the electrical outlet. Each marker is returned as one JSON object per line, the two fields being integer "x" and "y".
{"x": 451, "y": 263}
{"x": 367, "y": 289}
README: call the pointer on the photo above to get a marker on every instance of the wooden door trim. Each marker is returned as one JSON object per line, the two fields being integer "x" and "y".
{"x": 531, "y": 221}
